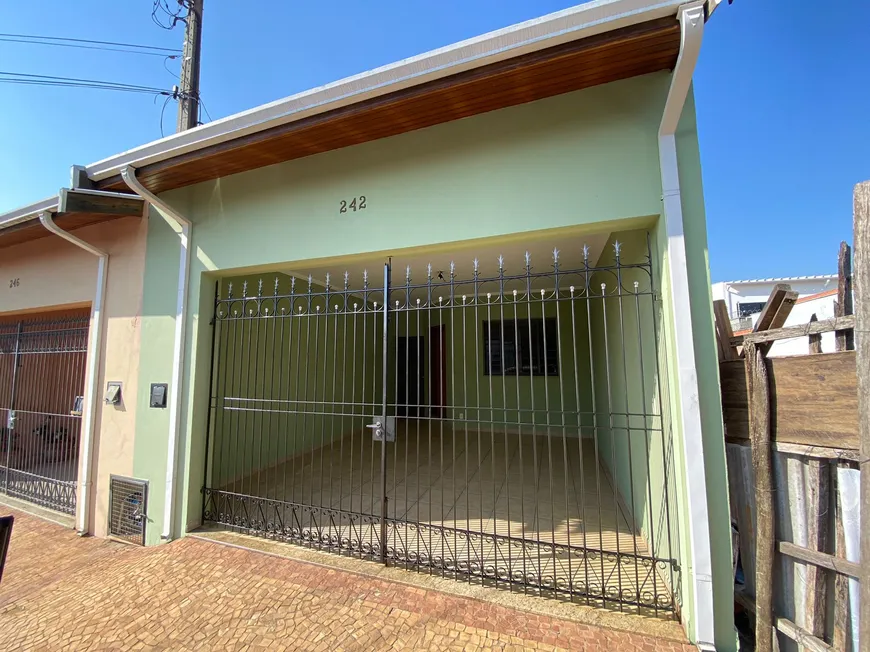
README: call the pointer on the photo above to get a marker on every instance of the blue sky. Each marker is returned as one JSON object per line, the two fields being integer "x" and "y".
{"x": 782, "y": 99}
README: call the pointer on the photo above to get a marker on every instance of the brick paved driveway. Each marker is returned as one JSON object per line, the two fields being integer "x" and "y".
{"x": 61, "y": 592}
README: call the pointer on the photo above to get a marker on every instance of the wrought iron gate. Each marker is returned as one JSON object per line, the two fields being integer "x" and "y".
{"x": 42, "y": 369}
{"x": 503, "y": 426}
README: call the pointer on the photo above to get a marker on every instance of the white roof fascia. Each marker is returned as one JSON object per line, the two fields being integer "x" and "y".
{"x": 756, "y": 281}
{"x": 29, "y": 212}
{"x": 547, "y": 31}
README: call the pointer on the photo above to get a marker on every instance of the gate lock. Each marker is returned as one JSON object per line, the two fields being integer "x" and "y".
{"x": 382, "y": 433}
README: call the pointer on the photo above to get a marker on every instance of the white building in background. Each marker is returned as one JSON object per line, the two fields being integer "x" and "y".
{"x": 746, "y": 299}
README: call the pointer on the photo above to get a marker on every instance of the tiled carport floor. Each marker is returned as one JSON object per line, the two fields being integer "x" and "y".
{"x": 62, "y": 592}
{"x": 522, "y": 488}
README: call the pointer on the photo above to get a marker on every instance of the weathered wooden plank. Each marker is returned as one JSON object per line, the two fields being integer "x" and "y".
{"x": 741, "y": 483}
{"x": 815, "y": 338}
{"x": 822, "y": 559}
{"x": 844, "y": 339}
{"x": 818, "y": 500}
{"x": 780, "y": 316}
{"x": 825, "y": 326}
{"x": 814, "y": 400}
{"x": 801, "y": 636}
{"x": 102, "y": 203}
{"x": 816, "y": 452}
{"x": 762, "y": 463}
{"x": 727, "y": 351}
{"x": 786, "y": 626}
{"x": 766, "y": 320}
{"x": 861, "y": 276}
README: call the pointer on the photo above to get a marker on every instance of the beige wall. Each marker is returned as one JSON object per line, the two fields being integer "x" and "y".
{"x": 54, "y": 274}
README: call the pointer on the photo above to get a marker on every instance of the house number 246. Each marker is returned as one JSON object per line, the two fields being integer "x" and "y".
{"x": 355, "y": 204}
{"x": 14, "y": 282}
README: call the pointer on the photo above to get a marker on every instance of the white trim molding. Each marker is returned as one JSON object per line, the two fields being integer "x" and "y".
{"x": 691, "y": 17}
{"x": 184, "y": 226}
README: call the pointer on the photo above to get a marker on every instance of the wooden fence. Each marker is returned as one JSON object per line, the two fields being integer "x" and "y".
{"x": 793, "y": 439}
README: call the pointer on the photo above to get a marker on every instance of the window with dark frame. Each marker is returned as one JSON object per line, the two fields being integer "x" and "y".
{"x": 521, "y": 347}
{"x": 749, "y": 308}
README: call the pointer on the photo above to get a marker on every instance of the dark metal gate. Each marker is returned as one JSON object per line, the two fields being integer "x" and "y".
{"x": 504, "y": 427}
{"x": 42, "y": 370}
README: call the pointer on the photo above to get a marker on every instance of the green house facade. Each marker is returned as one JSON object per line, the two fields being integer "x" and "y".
{"x": 451, "y": 314}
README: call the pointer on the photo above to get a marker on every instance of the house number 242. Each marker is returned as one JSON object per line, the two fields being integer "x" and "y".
{"x": 355, "y": 204}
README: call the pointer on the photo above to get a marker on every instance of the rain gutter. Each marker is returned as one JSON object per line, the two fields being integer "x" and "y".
{"x": 183, "y": 226}
{"x": 692, "y": 17}
{"x": 91, "y": 388}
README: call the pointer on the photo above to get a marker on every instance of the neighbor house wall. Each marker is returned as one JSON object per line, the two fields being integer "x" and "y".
{"x": 56, "y": 275}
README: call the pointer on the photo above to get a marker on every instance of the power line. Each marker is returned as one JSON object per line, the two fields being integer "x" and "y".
{"x": 77, "y": 79}
{"x": 75, "y": 82}
{"x": 88, "y": 47}
{"x": 24, "y": 82}
{"x": 202, "y": 105}
{"x": 165, "y": 102}
{"x": 83, "y": 40}
{"x": 161, "y": 8}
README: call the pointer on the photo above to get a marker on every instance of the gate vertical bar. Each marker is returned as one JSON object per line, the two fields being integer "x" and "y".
{"x": 212, "y": 393}
{"x": 10, "y": 426}
{"x": 384, "y": 383}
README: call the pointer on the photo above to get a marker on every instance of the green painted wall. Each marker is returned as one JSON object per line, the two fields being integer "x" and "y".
{"x": 633, "y": 431}
{"x": 496, "y": 397}
{"x": 281, "y": 374}
{"x": 707, "y": 366}
{"x": 587, "y": 160}
{"x": 155, "y": 366}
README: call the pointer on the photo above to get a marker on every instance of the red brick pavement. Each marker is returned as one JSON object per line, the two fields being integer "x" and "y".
{"x": 62, "y": 592}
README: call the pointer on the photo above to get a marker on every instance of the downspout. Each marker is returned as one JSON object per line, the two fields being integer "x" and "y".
{"x": 691, "y": 17}
{"x": 91, "y": 388}
{"x": 128, "y": 173}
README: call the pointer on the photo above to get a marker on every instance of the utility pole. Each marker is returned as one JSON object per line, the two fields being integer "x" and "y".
{"x": 188, "y": 98}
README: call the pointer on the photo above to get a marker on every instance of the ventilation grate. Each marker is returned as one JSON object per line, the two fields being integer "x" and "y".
{"x": 128, "y": 500}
